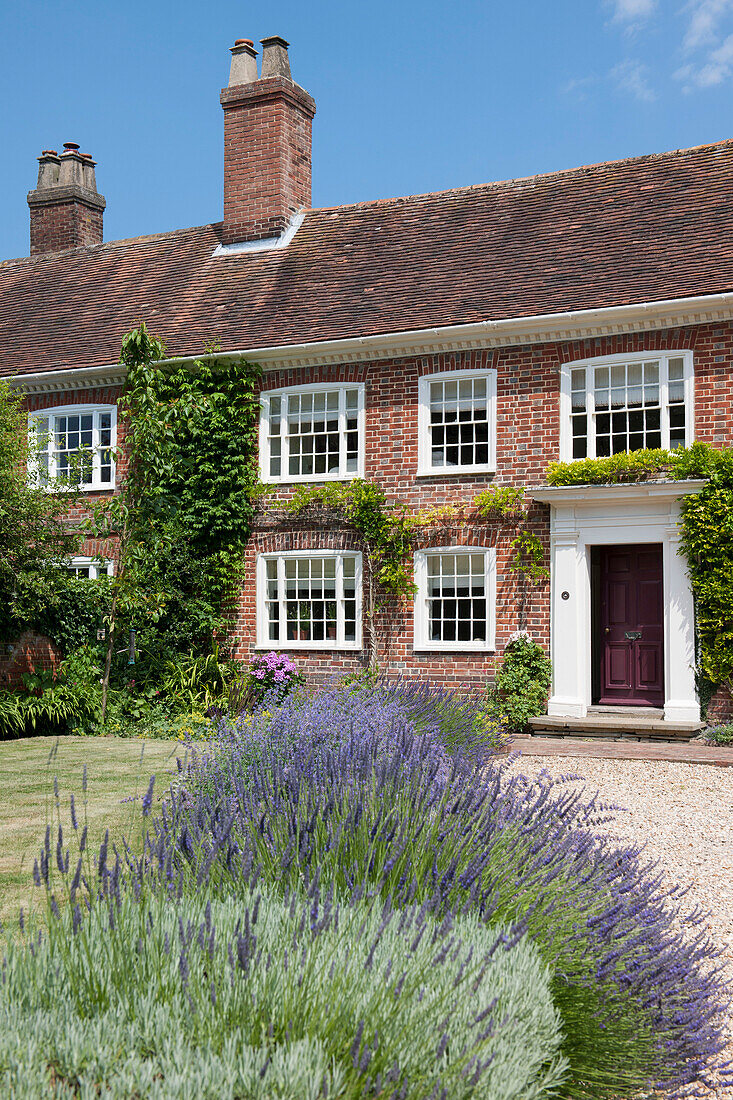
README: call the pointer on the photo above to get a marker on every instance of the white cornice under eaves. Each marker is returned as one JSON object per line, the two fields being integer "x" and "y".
{"x": 56, "y": 381}
{"x": 512, "y": 331}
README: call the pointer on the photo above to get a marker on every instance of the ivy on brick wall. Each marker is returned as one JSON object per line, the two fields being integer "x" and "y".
{"x": 706, "y": 529}
{"x": 185, "y": 509}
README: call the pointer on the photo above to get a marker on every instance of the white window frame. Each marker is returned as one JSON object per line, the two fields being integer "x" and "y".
{"x": 422, "y": 641}
{"x": 98, "y": 567}
{"x": 339, "y": 642}
{"x": 424, "y": 444}
{"x": 291, "y": 391}
{"x": 96, "y": 484}
{"x": 688, "y": 377}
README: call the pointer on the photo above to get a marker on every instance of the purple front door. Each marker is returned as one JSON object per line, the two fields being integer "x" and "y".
{"x": 631, "y": 626}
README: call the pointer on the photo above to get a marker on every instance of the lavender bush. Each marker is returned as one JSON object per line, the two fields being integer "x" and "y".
{"x": 259, "y": 997}
{"x": 379, "y": 712}
{"x": 352, "y": 799}
{"x": 634, "y": 976}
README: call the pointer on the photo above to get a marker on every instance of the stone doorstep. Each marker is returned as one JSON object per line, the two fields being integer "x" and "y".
{"x": 614, "y": 727}
{"x": 575, "y": 747}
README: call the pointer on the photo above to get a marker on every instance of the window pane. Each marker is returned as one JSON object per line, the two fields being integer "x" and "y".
{"x": 310, "y": 600}
{"x": 313, "y": 435}
{"x": 631, "y": 392}
{"x": 456, "y": 597}
{"x": 459, "y": 412}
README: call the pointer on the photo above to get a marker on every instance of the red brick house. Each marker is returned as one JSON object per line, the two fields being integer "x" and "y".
{"x": 436, "y": 344}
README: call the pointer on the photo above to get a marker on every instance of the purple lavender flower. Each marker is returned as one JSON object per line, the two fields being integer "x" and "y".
{"x": 148, "y": 797}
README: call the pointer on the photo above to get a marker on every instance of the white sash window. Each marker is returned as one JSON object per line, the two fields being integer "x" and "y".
{"x": 309, "y": 600}
{"x": 74, "y": 445}
{"x": 622, "y": 403}
{"x": 457, "y": 422}
{"x": 313, "y": 433}
{"x": 455, "y": 602}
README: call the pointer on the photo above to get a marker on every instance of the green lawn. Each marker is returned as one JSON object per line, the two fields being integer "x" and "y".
{"x": 115, "y": 772}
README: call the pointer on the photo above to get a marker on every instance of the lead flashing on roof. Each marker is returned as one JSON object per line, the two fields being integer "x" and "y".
{"x": 269, "y": 244}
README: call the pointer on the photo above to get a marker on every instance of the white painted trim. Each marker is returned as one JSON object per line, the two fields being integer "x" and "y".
{"x": 424, "y": 452}
{"x": 507, "y": 332}
{"x": 97, "y": 485}
{"x": 268, "y": 244}
{"x": 421, "y": 642}
{"x": 587, "y": 516}
{"x": 623, "y": 493}
{"x": 98, "y": 564}
{"x": 288, "y": 391}
{"x": 590, "y": 363}
{"x": 59, "y": 381}
{"x": 339, "y": 643}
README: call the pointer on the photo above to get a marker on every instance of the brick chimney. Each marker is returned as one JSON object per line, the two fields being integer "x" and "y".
{"x": 66, "y": 209}
{"x": 267, "y": 143}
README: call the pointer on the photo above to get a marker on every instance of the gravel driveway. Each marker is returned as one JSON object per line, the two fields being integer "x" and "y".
{"x": 684, "y": 815}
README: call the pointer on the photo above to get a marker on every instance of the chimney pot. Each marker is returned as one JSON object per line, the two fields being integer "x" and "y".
{"x": 48, "y": 170}
{"x": 71, "y": 172}
{"x": 244, "y": 63}
{"x": 275, "y": 60}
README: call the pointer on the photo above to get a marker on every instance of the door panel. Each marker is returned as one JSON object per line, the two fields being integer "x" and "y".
{"x": 618, "y": 665}
{"x": 630, "y": 625}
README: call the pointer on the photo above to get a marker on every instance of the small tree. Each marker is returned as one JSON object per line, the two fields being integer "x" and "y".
{"x": 35, "y": 538}
{"x": 124, "y": 515}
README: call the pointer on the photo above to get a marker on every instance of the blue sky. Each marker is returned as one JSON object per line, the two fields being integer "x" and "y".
{"x": 411, "y": 96}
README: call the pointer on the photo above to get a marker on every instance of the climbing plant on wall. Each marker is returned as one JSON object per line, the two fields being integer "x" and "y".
{"x": 388, "y": 533}
{"x": 34, "y": 538}
{"x": 186, "y": 505}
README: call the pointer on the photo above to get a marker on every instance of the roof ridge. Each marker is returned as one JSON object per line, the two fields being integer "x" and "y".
{"x": 539, "y": 176}
{"x": 141, "y": 239}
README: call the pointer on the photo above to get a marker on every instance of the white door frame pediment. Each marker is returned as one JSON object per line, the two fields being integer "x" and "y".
{"x": 583, "y": 516}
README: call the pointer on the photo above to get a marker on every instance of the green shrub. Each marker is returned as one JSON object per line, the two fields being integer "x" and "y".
{"x": 198, "y": 683}
{"x": 634, "y": 466}
{"x": 522, "y": 683}
{"x": 261, "y": 998}
{"x": 75, "y": 611}
{"x": 52, "y": 703}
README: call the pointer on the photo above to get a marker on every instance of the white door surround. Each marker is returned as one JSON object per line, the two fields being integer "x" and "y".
{"x": 583, "y": 516}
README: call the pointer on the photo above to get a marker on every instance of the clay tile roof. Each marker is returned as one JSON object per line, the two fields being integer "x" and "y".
{"x": 650, "y": 228}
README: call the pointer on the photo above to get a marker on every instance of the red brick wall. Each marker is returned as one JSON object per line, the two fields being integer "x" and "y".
{"x": 28, "y": 652}
{"x": 527, "y": 439}
{"x": 68, "y": 224}
{"x": 720, "y": 708}
{"x": 267, "y": 157}
{"x": 80, "y": 510}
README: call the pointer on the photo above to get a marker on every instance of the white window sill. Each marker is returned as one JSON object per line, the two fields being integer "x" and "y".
{"x": 309, "y": 479}
{"x": 325, "y": 647}
{"x": 456, "y": 471}
{"x": 467, "y": 648}
{"x": 51, "y": 488}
